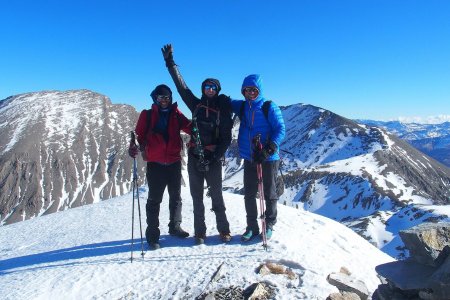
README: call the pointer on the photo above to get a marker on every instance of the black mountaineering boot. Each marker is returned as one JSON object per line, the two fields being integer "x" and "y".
{"x": 179, "y": 232}
{"x": 200, "y": 239}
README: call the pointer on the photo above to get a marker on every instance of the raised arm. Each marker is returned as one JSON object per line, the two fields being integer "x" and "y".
{"x": 186, "y": 94}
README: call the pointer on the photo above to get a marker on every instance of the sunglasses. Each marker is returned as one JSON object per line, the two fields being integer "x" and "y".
{"x": 162, "y": 97}
{"x": 210, "y": 86}
{"x": 251, "y": 90}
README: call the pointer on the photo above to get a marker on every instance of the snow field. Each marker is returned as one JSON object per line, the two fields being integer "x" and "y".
{"x": 84, "y": 253}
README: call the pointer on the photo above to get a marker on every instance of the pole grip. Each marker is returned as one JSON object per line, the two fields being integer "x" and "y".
{"x": 257, "y": 142}
{"x": 133, "y": 138}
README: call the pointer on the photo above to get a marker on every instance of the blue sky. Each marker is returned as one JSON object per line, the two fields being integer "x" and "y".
{"x": 377, "y": 59}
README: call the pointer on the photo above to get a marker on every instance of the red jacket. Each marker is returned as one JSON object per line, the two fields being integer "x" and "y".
{"x": 156, "y": 148}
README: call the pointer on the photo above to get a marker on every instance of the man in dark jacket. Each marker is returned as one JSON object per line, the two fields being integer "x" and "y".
{"x": 158, "y": 134}
{"x": 271, "y": 131}
{"x": 211, "y": 136}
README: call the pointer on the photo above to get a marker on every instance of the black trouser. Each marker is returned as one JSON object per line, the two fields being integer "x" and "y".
{"x": 269, "y": 172}
{"x": 213, "y": 179}
{"x": 158, "y": 177}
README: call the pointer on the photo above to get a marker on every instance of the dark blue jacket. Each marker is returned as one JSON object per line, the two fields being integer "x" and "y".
{"x": 253, "y": 121}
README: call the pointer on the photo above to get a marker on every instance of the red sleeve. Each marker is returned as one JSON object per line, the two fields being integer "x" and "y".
{"x": 141, "y": 126}
{"x": 186, "y": 124}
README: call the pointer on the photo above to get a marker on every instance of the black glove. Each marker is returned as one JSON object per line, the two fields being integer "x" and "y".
{"x": 133, "y": 151}
{"x": 260, "y": 156}
{"x": 167, "y": 52}
{"x": 203, "y": 165}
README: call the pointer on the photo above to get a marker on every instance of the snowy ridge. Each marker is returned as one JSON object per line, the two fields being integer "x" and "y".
{"x": 88, "y": 256}
{"x": 69, "y": 145}
{"x": 356, "y": 174}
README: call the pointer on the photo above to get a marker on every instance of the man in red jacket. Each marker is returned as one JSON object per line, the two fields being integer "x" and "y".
{"x": 158, "y": 134}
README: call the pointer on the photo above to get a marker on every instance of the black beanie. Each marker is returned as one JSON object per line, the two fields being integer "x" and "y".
{"x": 212, "y": 80}
{"x": 161, "y": 89}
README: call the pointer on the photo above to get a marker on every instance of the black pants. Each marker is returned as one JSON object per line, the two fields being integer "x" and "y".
{"x": 159, "y": 177}
{"x": 269, "y": 171}
{"x": 213, "y": 178}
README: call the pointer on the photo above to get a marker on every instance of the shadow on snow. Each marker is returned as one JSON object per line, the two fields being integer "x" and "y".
{"x": 68, "y": 256}
{"x": 84, "y": 251}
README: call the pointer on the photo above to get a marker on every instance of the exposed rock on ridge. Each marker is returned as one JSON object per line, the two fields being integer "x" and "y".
{"x": 60, "y": 150}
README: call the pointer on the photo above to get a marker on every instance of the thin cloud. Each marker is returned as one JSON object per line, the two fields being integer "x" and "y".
{"x": 425, "y": 120}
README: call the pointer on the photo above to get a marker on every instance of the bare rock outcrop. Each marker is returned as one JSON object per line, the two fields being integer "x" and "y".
{"x": 426, "y": 274}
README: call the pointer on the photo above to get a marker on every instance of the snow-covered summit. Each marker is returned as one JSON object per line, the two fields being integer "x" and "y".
{"x": 83, "y": 253}
{"x": 59, "y": 113}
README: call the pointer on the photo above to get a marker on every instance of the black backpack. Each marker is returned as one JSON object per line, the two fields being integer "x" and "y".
{"x": 207, "y": 109}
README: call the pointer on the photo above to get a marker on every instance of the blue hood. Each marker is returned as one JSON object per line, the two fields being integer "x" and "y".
{"x": 253, "y": 80}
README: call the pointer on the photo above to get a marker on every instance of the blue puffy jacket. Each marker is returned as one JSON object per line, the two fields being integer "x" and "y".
{"x": 253, "y": 121}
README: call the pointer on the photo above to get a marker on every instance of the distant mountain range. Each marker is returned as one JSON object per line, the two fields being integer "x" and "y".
{"x": 65, "y": 149}
{"x": 431, "y": 139}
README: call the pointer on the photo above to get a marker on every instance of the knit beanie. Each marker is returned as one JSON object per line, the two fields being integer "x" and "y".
{"x": 161, "y": 89}
{"x": 211, "y": 80}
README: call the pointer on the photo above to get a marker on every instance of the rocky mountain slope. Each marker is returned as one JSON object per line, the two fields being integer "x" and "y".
{"x": 60, "y": 150}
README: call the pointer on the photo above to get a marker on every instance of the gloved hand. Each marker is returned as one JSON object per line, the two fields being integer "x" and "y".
{"x": 167, "y": 52}
{"x": 133, "y": 151}
{"x": 203, "y": 166}
{"x": 260, "y": 156}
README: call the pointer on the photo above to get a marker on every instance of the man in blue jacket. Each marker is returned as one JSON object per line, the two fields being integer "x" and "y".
{"x": 272, "y": 130}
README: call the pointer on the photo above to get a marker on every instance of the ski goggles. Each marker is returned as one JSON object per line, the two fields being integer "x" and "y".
{"x": 162, "y": 97}
{"x": 210, "y": 86}
{"x": 251, "y": 90}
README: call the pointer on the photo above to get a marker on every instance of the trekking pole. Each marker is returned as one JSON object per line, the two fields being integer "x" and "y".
{"x": 132, "y": 142}
{"x": 132, "y": 226}
{"x": 258, "y": 147}
{"x": 135, "y": 188}
{"x": 285, "y": 151}
{"x": 281, "y": 171}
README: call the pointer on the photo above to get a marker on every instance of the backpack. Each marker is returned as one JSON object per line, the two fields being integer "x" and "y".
{"x": 207, "y": 108}
{"x": 265, "y": 109}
